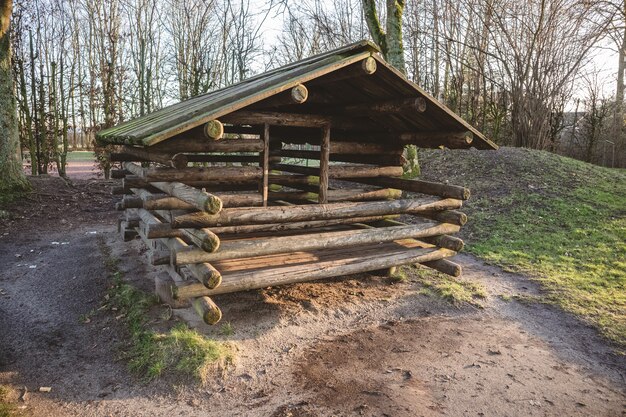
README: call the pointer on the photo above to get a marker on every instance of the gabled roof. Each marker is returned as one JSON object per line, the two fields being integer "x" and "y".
{"x": 385, "y": 84}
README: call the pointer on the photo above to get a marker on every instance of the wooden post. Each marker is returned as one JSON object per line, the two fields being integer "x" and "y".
{"x": 324, "y": 162}
{"x": 266, "y": 162}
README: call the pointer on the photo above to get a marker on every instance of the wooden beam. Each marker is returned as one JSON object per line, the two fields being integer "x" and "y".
{"x": 344, "y": 171}
{"x": 283, "y": 244}
{"x": 251, "y": 215}
{"x": 205, "y": 273}
{"x": 265, "y": 163}
{"x": 450, "y": 140}
{"x": 339, "y": 195}
{"x": 409, "y": 105}
{"x": 223, "y": 174}
{"x": 445, "y": 267}
{"x": 246, "y": 117}
{"x": 130, "y": 153}
{"x": 289, "y": 274}
{"x": 244, "y": 159}
{"x": 388, "y": 159}
{"x": 324, "y": 165}
{"x": 197, "y": 198}
{"x": 190, "y": 143}
{"x": 417, "y": 186}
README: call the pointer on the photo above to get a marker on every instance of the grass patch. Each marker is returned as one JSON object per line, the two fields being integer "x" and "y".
{"x": 8, "y": 408}
{"x": 560, "y": 220}
{"x": 153, "y": 353}
{"x": 453, "y": 290}
{"x": 81, "y": 156}
{"x": 227, "y": 329}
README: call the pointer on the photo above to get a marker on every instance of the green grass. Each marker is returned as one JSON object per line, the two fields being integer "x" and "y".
{"x": 154, "y": 353}
{"x": 80, "y": 156}
{"x": 560, "y": 220}
{"x": 456, "y": 291}
{"x": 8, "y": 408}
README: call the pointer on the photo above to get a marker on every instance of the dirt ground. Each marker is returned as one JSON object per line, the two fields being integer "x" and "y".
{"x": 358, "y": 345}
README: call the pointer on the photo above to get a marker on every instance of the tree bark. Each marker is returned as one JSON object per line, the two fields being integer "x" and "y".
{"x": 11, "y": 175}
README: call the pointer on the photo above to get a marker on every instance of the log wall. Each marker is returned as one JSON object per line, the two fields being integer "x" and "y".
{"x": 264, "y": 198}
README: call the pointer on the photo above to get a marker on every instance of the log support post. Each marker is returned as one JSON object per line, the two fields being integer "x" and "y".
{"x": 265, "y": 162}
{"x": 324, "y": 162}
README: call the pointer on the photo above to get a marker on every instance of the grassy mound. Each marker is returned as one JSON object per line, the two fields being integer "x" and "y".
{"x": 561, "y": 220}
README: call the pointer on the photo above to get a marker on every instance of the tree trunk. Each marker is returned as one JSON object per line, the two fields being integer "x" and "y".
{"x": 390, "y": 42}
{"x": 10, "y": 165}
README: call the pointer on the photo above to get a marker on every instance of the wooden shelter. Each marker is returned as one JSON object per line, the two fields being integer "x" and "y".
{"x": 289, "y": 176}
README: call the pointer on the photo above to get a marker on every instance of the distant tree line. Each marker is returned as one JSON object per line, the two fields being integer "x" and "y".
{"x": 508, "y": 67}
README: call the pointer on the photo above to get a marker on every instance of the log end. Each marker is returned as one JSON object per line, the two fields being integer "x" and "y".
{"x": 207, "y": 310}
{"x": 213, "y": 205}
{"x": 213, "y": 280}
{"x": 214, "y": 130}
{"x": 180, "y": 161}
{"x": 368, "y": 65}
{"x": 210, "y": 242}
{"x": 394, "y": 194}
{"x": 299, "y": 94}
{"x": 466, "y": 194}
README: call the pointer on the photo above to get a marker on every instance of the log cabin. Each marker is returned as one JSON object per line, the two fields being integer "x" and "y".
{"x": 289, "y": 176}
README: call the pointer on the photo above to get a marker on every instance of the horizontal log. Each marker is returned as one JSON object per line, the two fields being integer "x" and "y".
{"x": 445, "y": 241}
{"x": 207, "y": 310}
{"x": 448, "y": 216}
{"x": 239, "y": 216}
{"x": 197, "y": 143}
{"x": 244, "y": 159}
{"x": 279, "y": 227}
{"x": 411, "y": 105}
{"x": 132, "y": 181}
{"x": 197, "y": 198}
{"x": 246, "y": 117}
{"x": 445, "y": 266}
{"x": 177, "y": 160}
{"x": 344, "y": 171}
{"x": 289, "y": 180}
{"x": 202, "y": 272}
{"x": 195, "y": 174}
{"x": 339, "y": 195}
{"x": 417, "y": 186}
{"x": 290, "y": 274}
{"x": 282, "y": 244}
{"x": 450, "y": 140}
{"x": 381, "y": 159}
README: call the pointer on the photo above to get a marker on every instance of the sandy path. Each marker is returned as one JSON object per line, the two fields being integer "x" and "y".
{"x": 344, "y": 347}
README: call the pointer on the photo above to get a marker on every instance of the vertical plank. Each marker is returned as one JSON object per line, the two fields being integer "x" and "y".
{"x": 266, "y": 162}
{"x": 324, "y": 158}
